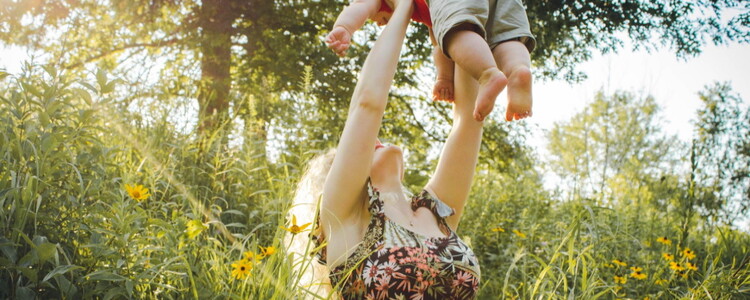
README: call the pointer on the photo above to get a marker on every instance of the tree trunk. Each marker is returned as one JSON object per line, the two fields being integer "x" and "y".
{"x": 216, "y": 18}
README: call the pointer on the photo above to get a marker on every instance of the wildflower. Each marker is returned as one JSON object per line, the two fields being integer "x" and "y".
{"x": 664, "y": 240}
{"x": 267, "y": 251}
{"x": 692, "y": 266}
{"x": 194, "y": 228}
{"x": 667, "y": 256}
{"x": 295, "y": 229}
{"x": 676, "y": 266}
{"x": 519, "y": 234}
{"x": 682, "y": 274}
{"x": 250, "y": 256}
{"x": 620, "y": 279}
{"x": 636, "y": 269}
{"x": 498, "y": 229}
{"x": 688, "y": 253}
{"x": 137, "y": 192}
{"x": 661, "y": 281}
{"x": 241, "y": 269}
{"x": 619, "y": 262}
{"x": 617, "y": 289}
{"x": 638, "y": 275}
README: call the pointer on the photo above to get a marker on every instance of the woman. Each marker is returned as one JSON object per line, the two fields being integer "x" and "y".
{"x": 377, "y": 242}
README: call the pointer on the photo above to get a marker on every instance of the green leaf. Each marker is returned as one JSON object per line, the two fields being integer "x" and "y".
{"x": 25, "y": 293}
{"x": 233, "y": 212}
{"x": 105, "y": 275}
{"x": 60, "y": 270}
{"x": 46, "y": 251}
{"x": 31, "y": 89}
{"x": 101, "y": 79}
{"x": 29, "y": 272}
{"x": 109, "y": 87}
{"x": 89, "y": 86}
{"x": 83, "y": 94}
{"x": 9, "y": 249}
{"x": 50, "y": 69}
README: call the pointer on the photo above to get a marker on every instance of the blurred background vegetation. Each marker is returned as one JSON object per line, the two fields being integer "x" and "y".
{"x": 215, "y": 107}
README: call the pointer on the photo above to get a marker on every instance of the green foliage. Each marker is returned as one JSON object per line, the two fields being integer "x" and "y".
{"x": 720, "y": 156}
{"x": 568, "y": 31}
{"x": 614, "y": 151}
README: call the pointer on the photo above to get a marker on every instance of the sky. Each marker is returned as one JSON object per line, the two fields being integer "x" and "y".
{"x": 673, "y": 83}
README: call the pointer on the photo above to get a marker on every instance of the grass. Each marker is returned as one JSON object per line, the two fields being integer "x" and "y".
{"x": 70, "y": 230}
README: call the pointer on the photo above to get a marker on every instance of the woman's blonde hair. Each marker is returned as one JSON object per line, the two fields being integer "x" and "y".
{"x": 313, "y": 276}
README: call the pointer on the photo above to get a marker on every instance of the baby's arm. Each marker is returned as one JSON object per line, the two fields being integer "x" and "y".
{"x": 443, "y": 89}
{"x": 350, "y": 20}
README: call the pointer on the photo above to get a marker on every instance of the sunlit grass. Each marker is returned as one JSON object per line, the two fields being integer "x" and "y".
{"x": 96, "y": 205}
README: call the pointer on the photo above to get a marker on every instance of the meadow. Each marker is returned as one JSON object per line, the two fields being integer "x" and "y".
{"x": 152, "y": 149}
{"x": 99, "y": 201}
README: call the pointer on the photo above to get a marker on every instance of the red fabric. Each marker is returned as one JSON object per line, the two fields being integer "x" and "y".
{"x": 421, "y": 12}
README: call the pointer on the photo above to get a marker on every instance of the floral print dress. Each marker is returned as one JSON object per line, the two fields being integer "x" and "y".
{"x": 393, "y": 262}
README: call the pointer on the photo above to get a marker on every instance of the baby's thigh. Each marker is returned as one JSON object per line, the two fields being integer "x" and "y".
{"x": 507, "y": 20}
{"x": 449, "y": 15}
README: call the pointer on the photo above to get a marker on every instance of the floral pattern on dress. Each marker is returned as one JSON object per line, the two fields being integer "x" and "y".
{"x": 393, "y": 262}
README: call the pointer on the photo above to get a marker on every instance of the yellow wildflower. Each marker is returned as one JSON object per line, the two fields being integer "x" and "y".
{"x": 250, "y": 256}
{"x": 675, "y": 266}
{"x": 692, "y": 266}
{"x": 638, "y": 275}
{"x": 636, "y": 269}
{"x": 295, "y": 229}
{"x": 194, "y": 228}
{"x": 519, "y": 234}
{"x": 682, "y": 274}
{"x": 498, "y": 229}
{"x": 267, "y": 251}
{"x": 241, "y": 269}
{"x": 619, "y": 262}
{"x": 664, "y": 240}
{"x": 667, "y": 256}
{"x": 621, "y": 279}
{"x": 688, "y": 253}
{"x": 137, "y": 192}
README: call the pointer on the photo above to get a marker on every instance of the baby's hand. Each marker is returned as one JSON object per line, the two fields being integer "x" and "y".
{"x": 443, "y": 90}
{"x": 339, "y": 40}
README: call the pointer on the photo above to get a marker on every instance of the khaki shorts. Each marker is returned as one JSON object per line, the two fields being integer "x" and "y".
{"x": 496, "y": 20}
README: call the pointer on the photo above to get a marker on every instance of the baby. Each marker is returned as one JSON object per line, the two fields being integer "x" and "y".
{"x": 490, "y": 39}
{"x": 354, "y": 16}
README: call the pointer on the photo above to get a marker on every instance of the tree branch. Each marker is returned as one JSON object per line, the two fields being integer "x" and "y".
{"x": 123, "y": 48}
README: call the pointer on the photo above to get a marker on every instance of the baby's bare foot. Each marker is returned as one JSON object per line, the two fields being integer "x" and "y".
{"x": 491, "y": 83}
{"x": 519, "y": 95}
{"x": 443, "y": 90}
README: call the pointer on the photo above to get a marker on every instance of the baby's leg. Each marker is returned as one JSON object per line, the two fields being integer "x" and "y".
{"x": 471, "y": 52}
{"x": 513, "y": 59}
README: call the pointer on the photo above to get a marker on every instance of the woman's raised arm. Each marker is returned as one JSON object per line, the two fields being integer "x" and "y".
{"x": 344, "y": 187}
{"x": 451, "y": 182}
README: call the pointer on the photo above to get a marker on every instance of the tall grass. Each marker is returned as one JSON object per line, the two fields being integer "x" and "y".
{"x": 70, "y": 230}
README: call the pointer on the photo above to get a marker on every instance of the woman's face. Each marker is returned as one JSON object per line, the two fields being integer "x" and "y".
{"x": 387, "y": 161}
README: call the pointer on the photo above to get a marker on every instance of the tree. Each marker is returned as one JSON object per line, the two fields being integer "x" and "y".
{"x": 720, "y": 156}
{"x": 252, "y": 53}
{"x": 567, "y": 31}
{"x": 613, "y": 151}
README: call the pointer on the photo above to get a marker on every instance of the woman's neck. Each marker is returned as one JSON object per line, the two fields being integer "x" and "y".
{"x": 388, "y": 185}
